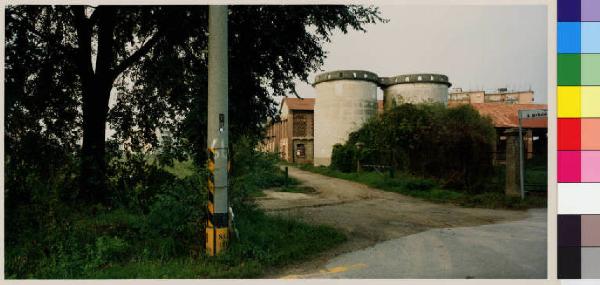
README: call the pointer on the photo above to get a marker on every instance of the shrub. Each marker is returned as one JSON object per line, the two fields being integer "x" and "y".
{"x": 451, "y": 145}
{"x": 253, "y": 171}
{"x": 109, "y": 249}
{"x": 343, "y": 157}
{"x": 174, "y": 220}
{"x": 420, "y": 184}
{"x": 134, "y": 182}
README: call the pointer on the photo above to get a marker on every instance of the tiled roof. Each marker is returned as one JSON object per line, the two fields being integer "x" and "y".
{"x": 502, "y": 115}
{"x": 307, "y": 104}
{"x": 505, "y": 115}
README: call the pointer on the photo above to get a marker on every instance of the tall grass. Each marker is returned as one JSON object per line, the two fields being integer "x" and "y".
{"x": 155, "y": 229}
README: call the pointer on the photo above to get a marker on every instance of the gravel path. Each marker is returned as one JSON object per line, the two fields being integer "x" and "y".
{"x": 369, "y": 217}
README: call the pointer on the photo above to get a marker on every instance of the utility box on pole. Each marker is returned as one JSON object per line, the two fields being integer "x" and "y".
{"x": 217, "y": 233}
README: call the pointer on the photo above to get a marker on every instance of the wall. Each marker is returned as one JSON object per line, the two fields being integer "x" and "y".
{"x": 517, "y": 97}
{"x": 415, "y": 93}
{"x": 295, "y": 127}
{"x": 342, "y": 106}
{"x": 308, "y": 151}
{"x": 303, "y": 123}
{"x": 468, "y": 97}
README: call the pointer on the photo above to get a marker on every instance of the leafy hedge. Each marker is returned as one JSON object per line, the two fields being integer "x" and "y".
{"x": 451, "y": 145}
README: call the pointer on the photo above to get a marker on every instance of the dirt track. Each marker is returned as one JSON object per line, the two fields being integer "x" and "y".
{"x": 367, "y": 215}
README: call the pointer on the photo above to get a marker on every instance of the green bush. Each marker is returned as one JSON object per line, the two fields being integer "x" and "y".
{"x": 451, "y": 145}
{"x": 420, "y": 184}
{"x": 175, "y": 217}
{"x": 109, "y": 249}
{"x": 133, "y": 182}
{"x": 253, "y": 171}
{"x": 153, "y": 226}
{"x": 343, "y": 157}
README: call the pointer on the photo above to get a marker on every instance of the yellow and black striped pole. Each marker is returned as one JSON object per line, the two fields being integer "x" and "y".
{"x": 217, "y": 234}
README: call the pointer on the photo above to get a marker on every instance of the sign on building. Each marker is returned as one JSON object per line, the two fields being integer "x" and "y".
{"x": 533, "y": 114}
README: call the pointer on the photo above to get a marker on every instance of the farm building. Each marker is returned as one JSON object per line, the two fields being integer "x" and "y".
{"x": 308, "y": 128}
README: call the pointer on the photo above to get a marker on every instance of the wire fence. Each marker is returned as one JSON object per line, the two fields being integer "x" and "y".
{"x": 535, "y": 171}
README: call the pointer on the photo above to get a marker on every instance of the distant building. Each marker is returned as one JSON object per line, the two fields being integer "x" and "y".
{"x": 505, "y": 116}
{"x": 347, "y": 98}
{"x": 292, "y": 137}
{"x": 502, "y": 95}
{"x": 503, "y": 106}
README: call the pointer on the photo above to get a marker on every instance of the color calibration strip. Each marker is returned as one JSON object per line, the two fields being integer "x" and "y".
{"x": 578, "y": 101}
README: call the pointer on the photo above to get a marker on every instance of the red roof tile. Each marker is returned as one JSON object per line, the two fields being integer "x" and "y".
{"x": 505, "y": 115}
{"x": 502, "y": 115}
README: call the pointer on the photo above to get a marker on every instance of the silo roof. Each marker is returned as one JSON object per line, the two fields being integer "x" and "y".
{"x": 415, "y": 78}
{"x": 361, "y": 75}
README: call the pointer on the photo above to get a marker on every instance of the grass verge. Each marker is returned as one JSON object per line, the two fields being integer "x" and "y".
{"x": 265, "y": 242}
{"x": 109, "y": 246}
{"x": 429, "y": 190}
{"x": 157, "y": 231}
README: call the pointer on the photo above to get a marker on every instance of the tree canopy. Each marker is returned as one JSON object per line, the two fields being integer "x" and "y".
{"x": 64, "y": 62}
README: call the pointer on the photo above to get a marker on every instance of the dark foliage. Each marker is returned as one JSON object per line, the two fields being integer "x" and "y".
{"x": 78, "y": 204}
{"x": 153, "y": 57}
{"x": 157, "y": 221}
{"x": 453, "y": 145}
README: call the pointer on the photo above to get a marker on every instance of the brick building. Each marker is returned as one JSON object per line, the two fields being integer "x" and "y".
{"x": 293, "y": 135}
{"x": 502, "y": 95}
{"x": 505, "y": 116}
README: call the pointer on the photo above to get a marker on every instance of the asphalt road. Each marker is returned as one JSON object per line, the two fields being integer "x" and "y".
{"x": 395, "y": 236}
{"x": 506, "y": 250}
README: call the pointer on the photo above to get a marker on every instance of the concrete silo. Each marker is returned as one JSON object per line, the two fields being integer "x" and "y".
{"x": 345, "y": 100}
{"x": 415, "y": 89}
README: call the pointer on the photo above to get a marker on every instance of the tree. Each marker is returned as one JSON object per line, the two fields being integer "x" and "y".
{"x": 42, "y": 98}
{"x": 453, "y": 145}
{"x": 153, "y": 57}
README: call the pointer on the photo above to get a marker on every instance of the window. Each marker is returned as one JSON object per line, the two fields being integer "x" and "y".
{"x": 300, "y": 151}
{"x": 300, "y": 125}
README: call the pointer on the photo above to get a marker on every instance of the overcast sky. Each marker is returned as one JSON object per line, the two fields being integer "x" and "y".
{"x": 478, "y": 47}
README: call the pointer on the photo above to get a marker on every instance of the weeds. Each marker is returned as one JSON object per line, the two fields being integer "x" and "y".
{"x": 154, "y": 229}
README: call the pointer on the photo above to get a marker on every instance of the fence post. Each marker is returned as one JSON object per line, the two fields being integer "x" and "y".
{"x": 359, "y": 146}
{"x": 512, "y": 186}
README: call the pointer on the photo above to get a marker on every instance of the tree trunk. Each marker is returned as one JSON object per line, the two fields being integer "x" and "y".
{"x": 93, "y": 187}
{"x": 96, "y": 87}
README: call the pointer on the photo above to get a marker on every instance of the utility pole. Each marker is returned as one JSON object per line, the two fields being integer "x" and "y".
{"x": 217, "y": 233}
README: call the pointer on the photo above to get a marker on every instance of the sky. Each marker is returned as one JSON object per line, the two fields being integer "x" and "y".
{"x": 479, "y": 47}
